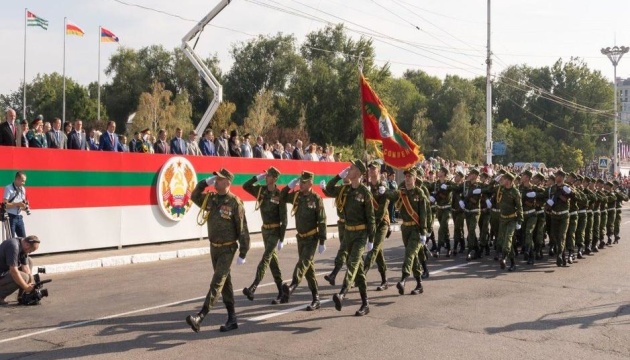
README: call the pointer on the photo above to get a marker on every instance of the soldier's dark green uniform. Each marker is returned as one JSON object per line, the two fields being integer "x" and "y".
{"x": 458, "y": 216}
{"x": 582, "y": 209}
{"x": 485, "y": 215}
{"x": 358, "y": 210}
{"x": 621, "y": 197}
{"x": 541, "y": 220}
{"x": 227, "y": 232}
{"x": 273, "y": 210}
{"x": 471, "y": 193}
{"x": 412, "y": 204}
{"x": 529, "y": 194}
{"x": 588, "y": 228}
{"x": 573, "y": 217}
{"x": 511, "y": 216}
{"x": 342, "y": 252}
{"x": 310, "y": 223}
{"x": 432, "y": 208}
{"x": 560, "y": 202}
{"x": 442, "y": 197}
{"x": 611, "y": 209}
{"x": 596, "y": 214}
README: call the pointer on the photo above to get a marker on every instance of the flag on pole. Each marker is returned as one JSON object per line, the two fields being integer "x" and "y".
{"x": 34, "y": 20}
{"x": 399, "y": 151}
{"x": 108, "y": 36}
{"x": 72, "y": 29}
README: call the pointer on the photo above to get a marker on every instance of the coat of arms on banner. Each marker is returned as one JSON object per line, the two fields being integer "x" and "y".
{"x": 176, "y": 181}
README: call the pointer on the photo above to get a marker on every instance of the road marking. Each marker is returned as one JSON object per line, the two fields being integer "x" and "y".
{"x": 258, "y": 318}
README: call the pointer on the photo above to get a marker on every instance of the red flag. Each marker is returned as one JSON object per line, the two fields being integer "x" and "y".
{"x": 399, "y": 151}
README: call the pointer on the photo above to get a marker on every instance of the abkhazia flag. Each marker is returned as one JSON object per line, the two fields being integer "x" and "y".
{"x": 399, "y": 151}
{"x": 108, "y": 36}
{"x": 72, "y": 29}
{"x": 34, "y": 20}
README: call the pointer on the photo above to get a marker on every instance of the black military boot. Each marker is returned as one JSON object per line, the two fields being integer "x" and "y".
{"x": 338, "y": 298}
{"x": 530, "y": 257}
{"x": 195, "y": 321}
{"x": 249, "y": 292}
{"x": 512, "y": 265}
{"x": 231, "y": 323}
{"x": 365, "y": 308}
{"x": 425, "y": 270}
{"x": 448, "y": 249}
{"x": 331, "y": 277}
{"x": 315, "y": 304}
{"x": 433, "y": 243}
{"x": 278, "y": 299}
{"x": 287, "y": 290}
{"x": 470, "y": 255}
{"x": 502, "y": 262}
{"x": 609, "y": 242}
{"x": 616, "y": 239}
{"x": 594, "y": 248}
{"x": 602, "y": 244}
{"x": 579, "y": 253}
{"x": 384, "y": 284}
{"x": 418, "y": 290}
{"x": 401, "y": 284}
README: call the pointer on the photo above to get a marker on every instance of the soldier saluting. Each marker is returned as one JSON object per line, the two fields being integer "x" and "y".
{"x": 227, "y": 232}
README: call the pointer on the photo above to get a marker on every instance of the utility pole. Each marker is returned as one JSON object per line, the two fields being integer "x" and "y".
{"x": 488, "y": 97}
{"x": 615, "y": 54}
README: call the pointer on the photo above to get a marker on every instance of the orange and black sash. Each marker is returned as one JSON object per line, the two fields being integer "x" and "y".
{"x": 414, "y": 215}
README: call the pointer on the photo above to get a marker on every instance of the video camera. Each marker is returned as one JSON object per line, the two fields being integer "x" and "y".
{"x": 34, "y": 297}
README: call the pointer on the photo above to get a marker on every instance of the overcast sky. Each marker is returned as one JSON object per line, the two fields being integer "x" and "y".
{"x": 438, "y": 36}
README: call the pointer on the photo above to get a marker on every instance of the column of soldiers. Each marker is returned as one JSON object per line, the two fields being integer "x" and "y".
{"x": 581, "y": 216}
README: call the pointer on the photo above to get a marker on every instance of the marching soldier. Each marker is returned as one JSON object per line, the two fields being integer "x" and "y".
{"x": 611, "y": 209}
{"x": 342, "y": 253}
{"x": 592, "y": 198}
{"x": 621, "y": 197}
{"x": 582, "y": 205}
{"x": 573, "y": 217}
{"x": 358, "y": 209}
{"x": 310, "y": 223}
{"x": 471, "y": 192}
{"x": 559, "y": 202}
{"x": 529, "y": 193}
{"x": 442, "y": 197}
{"x": 541, "y": 218}
{"x": 484, "y": 217}
{"x": 273, "y": 210}
{"x": 495, "y": 215}
{"x": 428, "y": 184}
{"x": 227, "y": 232}
{"x": 603, "y": 213}
{"x": 412, "y": 204}
{"x": 510, "y": 204}
{"x": 596, "y": 214}
{"x": 458, "y": 214}
{"x": 553, "y": 247}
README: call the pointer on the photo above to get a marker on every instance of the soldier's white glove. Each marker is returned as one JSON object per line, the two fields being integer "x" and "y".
{"x": 321, "y": 248}
{"x": 518, "y": 226}
{"x": 240, "y": 261}
{"x": 293, "y": 183}
{"x": 531, "y": 194}
{"x": 381, "y": 189}
{"x": 498, "y": 178}
{"x": 431, "y": 198}
{"x": 423, "y": 239}
{"x": 322, "y": 184}
{"x": 488, "y": 203}
{"x": 461, "y": 204}
{"x": 280, "y": 245}
{"x": 261, "y": 176}
{"x": 211, "y": 180}
{"x": 476, "y": 191}
{"x": 566, "y": 189}
{"x": 550, "y": 202}
{"x": 370, "y": 246}
{"x": 443, "y": 186}
{"x": 344, "y": 172}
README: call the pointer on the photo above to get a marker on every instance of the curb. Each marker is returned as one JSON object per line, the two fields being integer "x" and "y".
{"x": 146, "y": 257}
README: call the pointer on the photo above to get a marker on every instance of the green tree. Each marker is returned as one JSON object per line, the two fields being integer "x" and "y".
{"x": 156, "y": 110}
{"x": 462, "y": 139}
{"x": 261, "y": 115}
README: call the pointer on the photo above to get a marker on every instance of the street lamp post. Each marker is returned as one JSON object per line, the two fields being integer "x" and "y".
{"x": 615, "y": 54}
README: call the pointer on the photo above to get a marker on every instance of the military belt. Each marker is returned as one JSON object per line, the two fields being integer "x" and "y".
{"x": 573, "y": 213}
{"x": 356, "y": 227}
{"x": 220, "y": 245}
{"x": 409, "y": 223}
{"x": 472, "y": 210}
{"x": 529, "y": 212}
{"x": 612, "y": 209}
{"x": 595, "y": 211}
{"x": 582, "y": 211}
{"x": 540, "y": 212}
{"x": 560, "y": 212}
{"x": 444, "y": 207}
{"x": 496, "y": 210}
{"x": 307, "y": 234}
{"x": 511, "y": 216}
{"x": 270, "y": 226}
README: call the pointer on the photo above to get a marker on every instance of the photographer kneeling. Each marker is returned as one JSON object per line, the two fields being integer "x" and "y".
{"x": 15, "y": 266}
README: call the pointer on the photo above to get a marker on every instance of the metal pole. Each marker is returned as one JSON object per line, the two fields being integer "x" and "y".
{"x": 615, "y": 164}
{"x": 98, "y": 91}
{"x": 24, "y": 79}
{"x": 488, "y": 97}
{"x": 63, "y": 112}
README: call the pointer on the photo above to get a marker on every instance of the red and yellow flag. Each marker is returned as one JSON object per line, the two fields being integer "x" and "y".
{"x": 72, "y": 29}
{"x": 399, "y": 151}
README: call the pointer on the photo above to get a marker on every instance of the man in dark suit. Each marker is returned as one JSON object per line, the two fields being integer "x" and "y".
{"x": 109, "y": 139}
{"x": 161, "y": 145}
{"x": 76, "y": 139}
{"x": 10, "y": 131}
{"x": 178, "y": 145}
{"x": 206, "y": 144}
{"x": 221, "y": 144}
{"x": 298, "y": 154}
{"x": 133, "y": 144}
{"x": 56, "y": 138}
{"x": 258, "y": 148}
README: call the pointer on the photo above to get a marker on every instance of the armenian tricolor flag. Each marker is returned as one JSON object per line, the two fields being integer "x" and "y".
{"x": 108, "y": 36}
{"x": 72, "y": 29}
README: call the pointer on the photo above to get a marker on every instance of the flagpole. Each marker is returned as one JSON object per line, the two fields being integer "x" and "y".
{"x": 63, "y": 112}
{"x": 98, "y": 91}
{"x": 24, "y": 79}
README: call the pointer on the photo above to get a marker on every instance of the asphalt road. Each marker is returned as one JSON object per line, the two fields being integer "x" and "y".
{"x": 468, "y": 310}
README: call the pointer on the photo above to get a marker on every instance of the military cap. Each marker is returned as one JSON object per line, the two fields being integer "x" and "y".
{"x": 608, "y": 183}
{"x": 272, "y": 171}
{"x": 444, "y": 169}
{"x": 509, "y": 176}
{"x": 615, "y": 182}
{"x": 419, "y": 172}
{"x": 306, "y": 176}
{"x": 599, "y": 181}
{"x": 517, "y": 177}
{"x": 527, "y": 173}
{"x": 458, "y": 172}
{"x": 540, "y": 176}
{"x": 573, "y": 175}
{"x": 374, "y": 164}
{"x": 412, "y": 171}
{"x": 560, "y": 173}
{"x": 224, "y": 173}
{"x": 359, "y": 164}
{"x": 473, "y": 171}
{"x": 586, "y": 179}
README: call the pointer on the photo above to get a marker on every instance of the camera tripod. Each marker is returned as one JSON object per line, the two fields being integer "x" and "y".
{"x": 6, "y": 227}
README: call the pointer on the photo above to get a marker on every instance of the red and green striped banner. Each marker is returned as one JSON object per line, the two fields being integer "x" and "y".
{"x": 76, "y": 179}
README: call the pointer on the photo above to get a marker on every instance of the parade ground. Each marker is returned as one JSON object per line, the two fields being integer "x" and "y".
{"x": 468, "y": 310}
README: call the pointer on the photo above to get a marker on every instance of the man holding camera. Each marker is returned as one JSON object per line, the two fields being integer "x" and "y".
{"x": 15, "y": 266}
{"x": 15, "y": 202}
